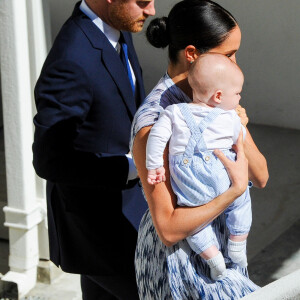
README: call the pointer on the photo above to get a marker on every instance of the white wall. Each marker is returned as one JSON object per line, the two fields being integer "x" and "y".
{"x": 268, "y": 55}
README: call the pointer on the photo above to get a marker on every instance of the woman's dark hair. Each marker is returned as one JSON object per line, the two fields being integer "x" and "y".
{"x": 201, "y": 23}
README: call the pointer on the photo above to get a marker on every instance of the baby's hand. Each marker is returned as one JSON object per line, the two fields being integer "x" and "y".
{"x": 156, "y": 176}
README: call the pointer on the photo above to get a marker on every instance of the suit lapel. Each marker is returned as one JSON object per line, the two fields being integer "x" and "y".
{"x": 116, "y": 69}
{"x": 110, "y": 57}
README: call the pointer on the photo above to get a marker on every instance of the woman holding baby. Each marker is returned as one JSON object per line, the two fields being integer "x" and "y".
{"x": 166, "y": 266}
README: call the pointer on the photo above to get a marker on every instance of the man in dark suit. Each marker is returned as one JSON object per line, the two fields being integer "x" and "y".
{"x": 87, "y": 94}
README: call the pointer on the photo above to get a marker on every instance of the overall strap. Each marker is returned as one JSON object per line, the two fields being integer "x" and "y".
{"x": 194, "y": 128}
{"x": 189, "y": 118}
{"x": 204, "y": 123}
{"x": 196, "y": 139}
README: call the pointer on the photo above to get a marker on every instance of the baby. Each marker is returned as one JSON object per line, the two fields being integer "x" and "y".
{"x": 194, "y": 131}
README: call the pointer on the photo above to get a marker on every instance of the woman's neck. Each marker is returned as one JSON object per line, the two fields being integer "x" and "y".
{"x": 178, "y": 73}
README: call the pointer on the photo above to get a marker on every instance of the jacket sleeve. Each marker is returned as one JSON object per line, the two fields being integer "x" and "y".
{"x": 63, "y": 99}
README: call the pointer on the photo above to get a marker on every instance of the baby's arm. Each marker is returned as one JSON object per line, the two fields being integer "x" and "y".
{"x": 158, "y": 138}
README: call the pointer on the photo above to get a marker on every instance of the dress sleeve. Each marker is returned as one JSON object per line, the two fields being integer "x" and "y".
{"x": 164, "y": 94}
{"x": 147, "y": 114}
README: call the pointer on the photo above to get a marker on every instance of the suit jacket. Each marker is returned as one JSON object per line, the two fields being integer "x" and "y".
{"x": 85, "y": 107}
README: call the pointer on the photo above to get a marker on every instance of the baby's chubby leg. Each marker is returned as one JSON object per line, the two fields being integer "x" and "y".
{"x": 204, "y": 244}
{"x": 239, "y": 219}
{"x": 215, "y": 260}
{"x": 237, "y": 249}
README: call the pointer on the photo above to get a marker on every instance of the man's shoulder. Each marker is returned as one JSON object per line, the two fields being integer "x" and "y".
{"x": 72, "y": 45}
{"x": 70, "y": 36}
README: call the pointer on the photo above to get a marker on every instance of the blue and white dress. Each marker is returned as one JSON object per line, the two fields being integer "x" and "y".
{"x": 177, "y": 272}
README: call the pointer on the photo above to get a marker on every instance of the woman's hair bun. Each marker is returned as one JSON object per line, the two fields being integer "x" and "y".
{"x": 157, "y": 32}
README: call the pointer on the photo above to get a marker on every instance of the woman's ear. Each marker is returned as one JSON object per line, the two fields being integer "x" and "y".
{"x": 191, "y": 53}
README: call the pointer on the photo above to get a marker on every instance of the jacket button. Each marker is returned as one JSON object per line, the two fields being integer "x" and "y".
{"x": 207, "y": 158}
{"x": 185, "y": 161}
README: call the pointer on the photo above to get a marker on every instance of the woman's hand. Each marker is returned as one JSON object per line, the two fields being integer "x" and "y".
{"x": 237, "y": 170}
{"x": 242, "y": 114}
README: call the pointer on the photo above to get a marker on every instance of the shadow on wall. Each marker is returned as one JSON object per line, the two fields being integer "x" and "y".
{"x": 1, "y": 109}
{"x": 3, "y": 190}
{"x": 273, "y": 243}
{"x": 280, "y": 258}
{"x": 4, "y": 255}
{"x": 60, "y": 10}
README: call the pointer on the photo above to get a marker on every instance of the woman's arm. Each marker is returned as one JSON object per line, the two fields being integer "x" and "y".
{"x": 258, "y": 170}
{"x": 174, "y": 223}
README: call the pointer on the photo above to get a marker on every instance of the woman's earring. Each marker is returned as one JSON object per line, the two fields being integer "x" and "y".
{"x": 191, "y": 61}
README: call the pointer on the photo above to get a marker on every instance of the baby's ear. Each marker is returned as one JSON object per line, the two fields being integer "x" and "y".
{"x": 217, "y": 97}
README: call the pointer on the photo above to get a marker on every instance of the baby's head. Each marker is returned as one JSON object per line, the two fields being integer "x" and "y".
{"x": 216, "y": 81}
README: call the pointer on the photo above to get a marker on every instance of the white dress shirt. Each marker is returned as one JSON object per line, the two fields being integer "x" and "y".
{"x": 111, "y": 33}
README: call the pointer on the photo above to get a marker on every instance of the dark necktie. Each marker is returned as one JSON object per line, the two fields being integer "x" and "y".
{"x": 125, "y": 61}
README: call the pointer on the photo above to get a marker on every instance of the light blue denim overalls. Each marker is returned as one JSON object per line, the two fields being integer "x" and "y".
{"x": 198, "y": 176}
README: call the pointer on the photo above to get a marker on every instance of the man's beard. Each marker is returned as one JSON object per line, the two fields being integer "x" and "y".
{"x": 122, "y": 21}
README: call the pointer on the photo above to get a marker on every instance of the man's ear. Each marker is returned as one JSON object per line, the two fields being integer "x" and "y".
{"x": 217, "y": 96}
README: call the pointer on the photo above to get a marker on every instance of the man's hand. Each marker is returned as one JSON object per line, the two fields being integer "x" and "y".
{"x": 156, "y": 176}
